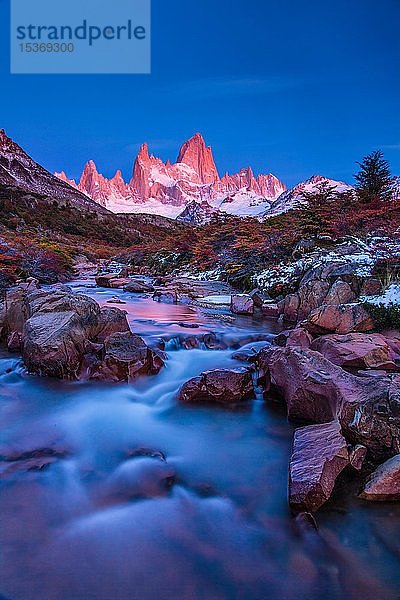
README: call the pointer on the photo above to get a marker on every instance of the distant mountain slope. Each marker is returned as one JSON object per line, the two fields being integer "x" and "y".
{"x": 293, "y": 198}
{"x": 197, "y": 213}
{"x": 19, "y": 170}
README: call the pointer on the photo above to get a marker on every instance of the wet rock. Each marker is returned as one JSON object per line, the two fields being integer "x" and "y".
{"x": 7, "y": 470}
{"x": 118, "y": 283}
{"x": 14, "y": 341}
{"x": 305, "y": 523}
{"x": 212, "y": 341}
{"x": 14, "y": 461}
{"x": 54, "y": 344}
{"x": 141, "y": 477}
{"x": 223, "y": 386}
{"x": 61, "y": 332}
{"x": 249, "y": 352}
{"x": 187, "y": 325}
{"x": 357, "y": 456}
{"x": 191, "y": 342}
{"x": 138, "y": 287}
{"x": 109, "y": 321}
{"x": 149, "y": 452}
{"x": 308, "y": 383}
{"x": 167, "y": 296}
{"x": 270, "y": 311}
{"x": 319, "y": 456}
{"x": 317, "y": 391}
{"x": 126, "y": 357}
{"x": 297, "y": 337}
{"x": 242, "y": 304}
{"x": 259, "y": 297}
{"x": 384, "y": 483}
{"x": 370, "y": 415}
{"x": 115, "y": 301}
{"x": 55, "y": 333}
{"x": 339, "y": 318}
{"x": 104, "y": 280}
{"x": 359, "y": 350}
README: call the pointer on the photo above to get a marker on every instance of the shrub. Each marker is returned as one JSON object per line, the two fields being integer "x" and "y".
{"x": 384, "y": 316}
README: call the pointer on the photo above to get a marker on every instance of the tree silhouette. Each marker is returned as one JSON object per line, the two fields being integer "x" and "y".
{"x": 374, "y": 181}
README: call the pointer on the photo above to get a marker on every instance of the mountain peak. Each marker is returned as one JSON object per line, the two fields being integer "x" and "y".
{"x": 143, "y": 153}
{"x": 196, "y": 155}
{"x": 163, "y": 188}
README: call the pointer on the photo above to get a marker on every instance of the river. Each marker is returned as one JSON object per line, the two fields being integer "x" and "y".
{"x": 150, "y": 500}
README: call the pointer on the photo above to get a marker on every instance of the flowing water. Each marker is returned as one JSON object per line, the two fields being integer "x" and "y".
{"x": 145, "y": 499}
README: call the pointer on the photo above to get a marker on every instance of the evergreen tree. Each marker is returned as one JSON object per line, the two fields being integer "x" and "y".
{"x": 316, "y": 215}
{"x": 374, "y": 181}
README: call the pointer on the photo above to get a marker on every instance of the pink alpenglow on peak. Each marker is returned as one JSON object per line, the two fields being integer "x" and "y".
{"x": 196, "y": 155}
{"x": 168, "y": 188}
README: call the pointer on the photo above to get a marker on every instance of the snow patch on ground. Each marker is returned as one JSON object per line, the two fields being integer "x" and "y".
{"x": 212, "y": 275}
{"x": 220, "y": 300}
{"x": 390, "y": 296}
{"x": 354, "y": 251}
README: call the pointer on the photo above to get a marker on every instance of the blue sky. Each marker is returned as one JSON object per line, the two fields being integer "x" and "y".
{"x": 294, "y": 88}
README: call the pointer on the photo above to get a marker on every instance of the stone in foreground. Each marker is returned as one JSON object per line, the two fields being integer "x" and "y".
{"x": 317, "y": 391}
{"x": 223, "y": 386}
{"x": 359, "y": 350}
{"x": 319, "y": 456}
{"x": 339, "y": 318}
{"x": 384, "y": 483}
{"x": 126, "y": 357}
{"x": 242, "y": 304}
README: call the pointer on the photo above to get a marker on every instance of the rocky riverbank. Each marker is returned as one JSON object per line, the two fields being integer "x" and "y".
{"x": 336, "y": 375}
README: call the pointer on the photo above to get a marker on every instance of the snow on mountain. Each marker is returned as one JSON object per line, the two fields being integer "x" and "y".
{"x": 396, "y": 188}
{"x": 294, "y": 198}
{"x": 167, "y": 189}
{"x": 18, "y": 169}
{"x": 197, "y": 213}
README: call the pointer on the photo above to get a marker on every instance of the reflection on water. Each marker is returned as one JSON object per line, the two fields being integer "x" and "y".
{"x": 145, "y": 499}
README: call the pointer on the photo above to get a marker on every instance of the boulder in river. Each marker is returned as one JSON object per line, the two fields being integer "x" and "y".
{"x": 223, "y": 386}
{"x": 54, "y": 335}
{"x": 270, "y": 310}
{"x": 317, "y": 391}
{"x": 61, "y": 332}
{"x": 138, "y": 287}
{"x": 54, "y": 344}
{"x": 104, "y": 280}
{"x": 110, "y": 320}
{"x": 126, "y": 357}
{"x": 384, "y": 483}
{"x": 242, "y": 304}
{"x": 319, "y": 456}
{"x": 307, "y": 382}
{"x": 166, "y": 296}
{"x": 357, "y": 456}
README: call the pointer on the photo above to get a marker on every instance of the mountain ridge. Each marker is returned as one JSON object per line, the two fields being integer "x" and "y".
{"x": 19, "y": 170}
{"x": 167, "y": 188}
